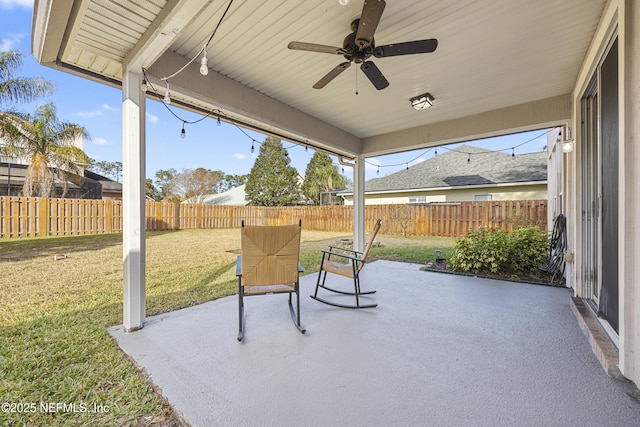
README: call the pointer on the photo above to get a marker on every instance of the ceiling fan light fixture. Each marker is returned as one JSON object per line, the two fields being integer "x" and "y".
{"x": 422, "y": 102}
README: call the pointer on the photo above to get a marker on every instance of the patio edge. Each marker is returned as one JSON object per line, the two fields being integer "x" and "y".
{"x": 603, "y": 347}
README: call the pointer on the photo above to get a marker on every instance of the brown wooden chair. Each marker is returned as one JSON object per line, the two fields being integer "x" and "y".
{"x": 355, "y": 261}
{"x": 269, "y": 264}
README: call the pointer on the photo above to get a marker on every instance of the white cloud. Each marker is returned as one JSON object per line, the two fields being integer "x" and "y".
{"x": 90, "y": 113}
{"x": 100, "y": 141}
{"x": 12, "y": 4}
{"x": 99, "y": 112}
{"x": 239, "y": 156}
{"x": 152, "y": 118}
{"x": 6, "y": 45}
{"x": 11, "y": 42}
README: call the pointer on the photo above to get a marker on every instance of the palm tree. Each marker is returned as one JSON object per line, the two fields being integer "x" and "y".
{"x": 19, "y": 89}
{"x": 49, "y": 146}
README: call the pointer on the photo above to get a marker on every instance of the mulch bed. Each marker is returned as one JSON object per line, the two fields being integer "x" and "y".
{"x": 534, "y": 277}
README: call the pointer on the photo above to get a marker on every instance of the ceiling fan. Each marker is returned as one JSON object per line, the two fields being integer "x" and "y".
{"x": 359, "y": 46}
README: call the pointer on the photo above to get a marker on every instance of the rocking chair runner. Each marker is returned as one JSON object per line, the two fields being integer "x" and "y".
{"x": 356, "y": 261}
{"x": 268, "y": 264}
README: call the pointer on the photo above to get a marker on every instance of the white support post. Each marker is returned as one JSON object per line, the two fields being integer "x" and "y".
{"x": 358, "y": 204}
{"x": 629, "y": 185}
{"x": 133, "y": 200}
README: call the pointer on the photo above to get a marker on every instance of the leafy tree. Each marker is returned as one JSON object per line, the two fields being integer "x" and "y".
{"x": 321, "y": 176}
{"x": 165, "y": 183}
{"x": 189, "y": 184}
{"x": 111, "y": 170}
{"x": 48, "y": 144}
{"x": 232, "y": 181}
{"x": 19, "y": 89}
{"x": 194, "y": 184}
{"x": 272, "y": 180}
{"x": 151, "y": 190}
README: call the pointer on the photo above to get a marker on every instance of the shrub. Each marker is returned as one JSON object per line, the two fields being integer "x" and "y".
{"x": 529, "y": 247}
{"x": 493, "y": 251}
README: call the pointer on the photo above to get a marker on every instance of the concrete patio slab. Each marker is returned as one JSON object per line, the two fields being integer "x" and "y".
{"x": 438, "y": 350}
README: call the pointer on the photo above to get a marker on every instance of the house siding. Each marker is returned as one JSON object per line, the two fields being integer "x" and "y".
{"x": 516, "y": 192}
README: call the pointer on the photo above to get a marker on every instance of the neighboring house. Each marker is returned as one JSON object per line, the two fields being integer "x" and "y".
{"x": 90, "y": 186}
{"x": 464, "y": 174}
{"x": 234, "y": 197}
{"x": 111, "y": 190}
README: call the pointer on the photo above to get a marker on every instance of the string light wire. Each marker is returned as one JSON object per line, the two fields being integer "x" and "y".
{"x": 378, "y": 166}
{"x": 203, "y": 49}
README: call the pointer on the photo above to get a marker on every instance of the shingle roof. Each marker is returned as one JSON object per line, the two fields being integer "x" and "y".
{"x": 453, "y": 169}
{"x": 234, "y": 197}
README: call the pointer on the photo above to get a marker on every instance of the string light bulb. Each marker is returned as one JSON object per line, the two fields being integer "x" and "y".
{"x": 513, "y": 154}
{"x": 167, "y": 96}
{"x": 469, "y": 158}
{"x": 218, "y": 121}
{"x": 204, "y": 66}
{"x": 252, "y": 141}
{"x": 378, "y": 171}
{"x": 144, "y": 85}
{"x": 183, "y": 133}
{"x": 436, "y": 153}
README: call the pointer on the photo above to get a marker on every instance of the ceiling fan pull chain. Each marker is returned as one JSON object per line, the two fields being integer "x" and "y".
{"x": 356, "y": 69}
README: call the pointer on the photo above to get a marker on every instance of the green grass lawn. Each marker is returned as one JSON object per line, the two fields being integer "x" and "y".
{"x": 57, "y": 362}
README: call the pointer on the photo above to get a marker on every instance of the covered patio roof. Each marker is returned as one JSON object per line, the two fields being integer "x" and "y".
{"x": 501, "y": 66}
{"x": 438, "y": 350}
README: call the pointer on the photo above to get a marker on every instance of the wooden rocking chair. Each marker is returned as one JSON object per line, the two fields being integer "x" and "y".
{"x": 356, "y": 261}
{"x": 268, "y": 264}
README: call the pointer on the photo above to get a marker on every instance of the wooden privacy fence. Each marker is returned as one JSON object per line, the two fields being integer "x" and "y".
{"x": 34, "y": 216}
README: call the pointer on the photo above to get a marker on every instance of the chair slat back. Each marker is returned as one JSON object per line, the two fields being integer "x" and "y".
{"x": 270, "y": 254}
{"x": 367, "y": 248}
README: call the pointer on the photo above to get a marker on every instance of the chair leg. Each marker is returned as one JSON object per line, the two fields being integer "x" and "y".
{"x": 240, "y": 311}
{"x": 295, "y": 315}
{"x": 315, "y": 294}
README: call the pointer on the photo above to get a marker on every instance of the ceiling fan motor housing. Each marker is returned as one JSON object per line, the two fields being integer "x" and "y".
{"x": 353, "y": 52}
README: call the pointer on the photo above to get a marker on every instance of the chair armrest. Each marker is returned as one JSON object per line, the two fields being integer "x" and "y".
{"x": 354, "y": 258}
{"x": 331, "y": 248}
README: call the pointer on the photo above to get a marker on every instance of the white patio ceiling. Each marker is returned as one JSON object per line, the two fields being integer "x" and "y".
{"x": 500, "y": 66}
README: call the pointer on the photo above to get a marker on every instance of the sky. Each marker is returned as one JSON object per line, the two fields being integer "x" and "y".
{"x": 226, "y": 148}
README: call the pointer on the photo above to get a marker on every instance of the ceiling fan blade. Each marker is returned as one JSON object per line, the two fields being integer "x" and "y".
{"x": 331, "y": 75}
{"x": 312, "y": 47}
{"x": 374, "y": 74}
{"x": 406, "y": 48}
{"x": 371, "y": 14}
